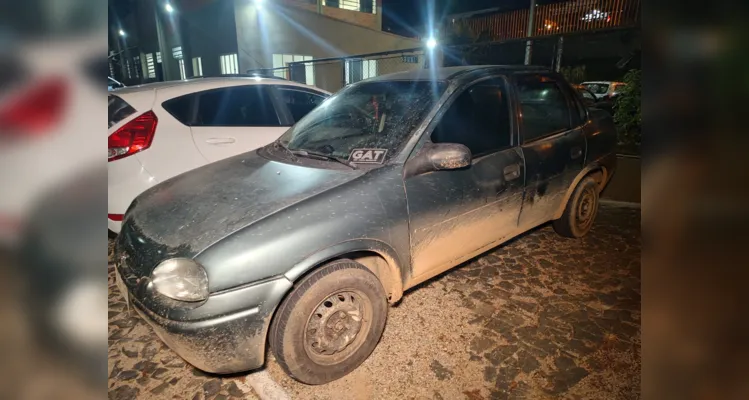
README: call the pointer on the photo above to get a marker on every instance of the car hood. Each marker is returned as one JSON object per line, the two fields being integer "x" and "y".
{"x": 184, "y": 215}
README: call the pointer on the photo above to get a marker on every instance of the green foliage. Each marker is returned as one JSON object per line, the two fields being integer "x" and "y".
{"x": 574, "y": 75}
{"x": 628, "y": 109}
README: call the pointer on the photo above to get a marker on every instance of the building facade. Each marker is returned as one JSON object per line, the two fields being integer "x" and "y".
{"x": 190, "y": 38}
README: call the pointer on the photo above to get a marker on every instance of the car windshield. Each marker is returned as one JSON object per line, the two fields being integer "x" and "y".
{"x": 597, "y": 88}
{"x": 118, "y": 110}
{"x": 586, "y": 94}
{"x": 368, "y": 115}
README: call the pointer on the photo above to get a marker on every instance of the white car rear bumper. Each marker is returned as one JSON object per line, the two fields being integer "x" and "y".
{"x": 127, "y": 179}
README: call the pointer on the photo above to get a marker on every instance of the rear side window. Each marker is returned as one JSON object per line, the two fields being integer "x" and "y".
{"x": 180, "y": 108}
{"x": 300, "y": 102}
{"x": 543, "y": 106}
{"x": 118, "y": 110}
{"x": 587, "y": 95}
{"x": 236, "y": 106}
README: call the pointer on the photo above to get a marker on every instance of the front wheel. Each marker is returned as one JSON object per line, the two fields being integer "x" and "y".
{"x": 330, "y": 323}
{"x": 581, "y": 210}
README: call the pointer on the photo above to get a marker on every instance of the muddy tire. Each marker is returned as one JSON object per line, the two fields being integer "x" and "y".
{"x": 330, "y": 322}
{"x": 581, "y": 210}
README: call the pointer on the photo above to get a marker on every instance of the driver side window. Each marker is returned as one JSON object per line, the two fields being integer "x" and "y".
{"x": 479, "y": 119}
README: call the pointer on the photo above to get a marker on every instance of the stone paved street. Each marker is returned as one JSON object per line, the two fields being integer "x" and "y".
{"x": 540, "y": 317}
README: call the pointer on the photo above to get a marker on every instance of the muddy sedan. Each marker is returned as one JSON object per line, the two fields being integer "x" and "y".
{"x": 303, "y": 243}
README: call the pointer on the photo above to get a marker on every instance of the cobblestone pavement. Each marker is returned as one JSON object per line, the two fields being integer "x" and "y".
{"x": 540, "y": 317}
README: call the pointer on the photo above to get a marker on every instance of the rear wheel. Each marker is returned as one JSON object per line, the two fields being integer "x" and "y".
{"x": 581, "y": 210}
{"x": 330, "y": 323}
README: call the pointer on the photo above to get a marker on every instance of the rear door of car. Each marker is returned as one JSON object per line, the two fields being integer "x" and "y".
{"x": 553, "y": 143}
{"x": 233, "y": 120}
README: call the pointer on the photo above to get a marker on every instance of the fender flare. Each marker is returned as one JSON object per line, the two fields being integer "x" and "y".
{"x": 394, "y": 284}
{"x": 595, "y": 166}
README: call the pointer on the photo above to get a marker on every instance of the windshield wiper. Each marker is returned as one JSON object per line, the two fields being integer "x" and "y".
{"x": 312, "y": 154}
{"x": 278, "y": 144}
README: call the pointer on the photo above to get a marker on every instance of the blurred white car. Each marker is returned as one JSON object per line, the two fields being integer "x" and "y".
{"x": 603, "y": 89}
{"x": 49, "y": 89}
{"x": 159, "y": 130}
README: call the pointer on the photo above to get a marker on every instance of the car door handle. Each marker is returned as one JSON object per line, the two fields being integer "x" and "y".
{"x": 576, "y": 152}
{"x": 512, "y": 172}
{"x": 222, "y": 140}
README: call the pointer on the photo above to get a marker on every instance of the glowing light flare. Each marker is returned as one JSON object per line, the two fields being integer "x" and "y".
{"x": 122, "y": 33}
{"x": 168, "y": 7}
{"x": 431, "y": 43}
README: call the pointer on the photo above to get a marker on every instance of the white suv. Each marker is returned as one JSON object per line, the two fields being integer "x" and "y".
{"x": 159, "y": 130}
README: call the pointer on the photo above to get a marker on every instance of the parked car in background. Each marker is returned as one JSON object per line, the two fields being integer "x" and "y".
{"x": 304, "y": 242}
{"x": 160, "y": 130}
{"x": 603, "y": 89}
{"x": 591, "y": 101}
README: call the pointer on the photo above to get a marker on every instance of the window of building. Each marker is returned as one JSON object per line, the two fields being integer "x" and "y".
{"x": 300, "y": 102}
{"x": 158, "y": 57}
{"x": 197, "y": 66}
{"x": 543, "y": 106}
{"x": 136, "y": 66}
{"x": 150, "y": 68}
{"x": 368, "y": 6}
{"x": 182, "y": 74}
{"x": 237, "y": 106}
{"x": 479, "y": 119}
{"x": 177, "y": 52}
{"x": 229, "y": 64}
{"x": 357, "y": 70}
{"x": 128, "y": 69}
{"x": 281, "y": 67}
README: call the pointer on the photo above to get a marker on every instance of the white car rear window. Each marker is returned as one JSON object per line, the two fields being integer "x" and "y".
{"x": 118, "y": 110}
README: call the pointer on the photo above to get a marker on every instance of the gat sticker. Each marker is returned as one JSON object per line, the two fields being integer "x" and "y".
{"x": 368, "y": 156}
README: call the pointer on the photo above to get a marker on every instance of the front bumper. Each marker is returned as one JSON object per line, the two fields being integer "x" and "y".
{"x": 225, "y": 334}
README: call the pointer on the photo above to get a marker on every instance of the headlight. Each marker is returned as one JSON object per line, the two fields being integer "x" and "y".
{"x": 181, "y": 279}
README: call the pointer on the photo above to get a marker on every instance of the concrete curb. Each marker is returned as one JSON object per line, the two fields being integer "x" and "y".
{"x": 615, "y": 203}
{"x": 265, "y": 387}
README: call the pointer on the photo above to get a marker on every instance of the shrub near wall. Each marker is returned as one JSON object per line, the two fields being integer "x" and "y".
{"x": 628, "y": 112}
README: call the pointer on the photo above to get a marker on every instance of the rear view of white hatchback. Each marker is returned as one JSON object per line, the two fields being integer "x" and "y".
{"x": 160, "y": 130}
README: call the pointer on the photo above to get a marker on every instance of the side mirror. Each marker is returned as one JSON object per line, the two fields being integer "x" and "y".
{"x": 439, "y": 157}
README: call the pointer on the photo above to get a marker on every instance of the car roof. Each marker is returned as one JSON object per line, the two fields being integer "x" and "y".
{"x": 141, "y": 97}
{"x": 449, "y": 73}
{"x": 601, "y": 82}
{"x": 199, "y": 84}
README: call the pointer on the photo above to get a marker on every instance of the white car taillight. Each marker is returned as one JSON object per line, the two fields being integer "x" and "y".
{"x": 132, "y": 137}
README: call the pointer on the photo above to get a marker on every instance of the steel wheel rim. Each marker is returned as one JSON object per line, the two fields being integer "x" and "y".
{"x": 337, "y": 327}
{"x": 586, "y": 208}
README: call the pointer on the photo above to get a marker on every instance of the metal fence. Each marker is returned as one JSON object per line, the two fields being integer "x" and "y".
{"x": 553, "y": 19}
{"x": 332, "y": 74}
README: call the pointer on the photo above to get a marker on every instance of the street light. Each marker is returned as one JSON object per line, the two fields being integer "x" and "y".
{"x": 122, "y": 33}
{"x": 169, "y": 8}
{"x": 431, "y": 43}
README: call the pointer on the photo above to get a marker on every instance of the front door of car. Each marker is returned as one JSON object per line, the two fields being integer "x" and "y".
{"x": 455, "y": 214}
{"x": 553, "y": 144}
{"x": 234, "y": 120}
